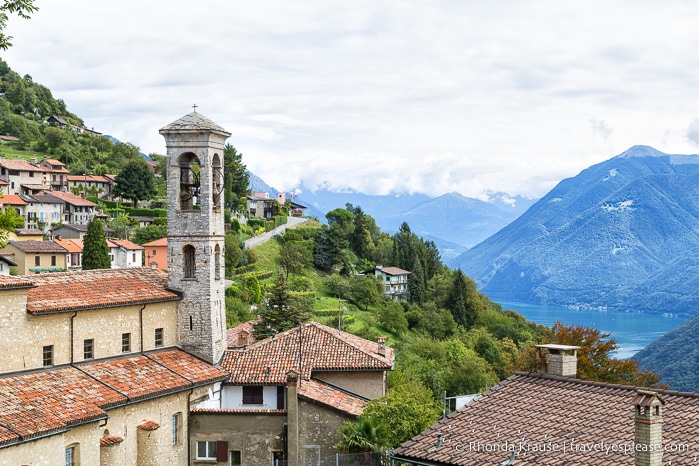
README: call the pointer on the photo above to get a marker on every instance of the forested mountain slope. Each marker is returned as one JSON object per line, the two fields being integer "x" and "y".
{"x": 622, "y": 234}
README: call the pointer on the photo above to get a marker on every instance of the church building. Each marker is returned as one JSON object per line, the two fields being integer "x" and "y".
{"x": 102, "y": 367}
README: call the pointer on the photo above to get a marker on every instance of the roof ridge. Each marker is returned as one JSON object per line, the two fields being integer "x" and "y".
{"x": 330, "y": 330}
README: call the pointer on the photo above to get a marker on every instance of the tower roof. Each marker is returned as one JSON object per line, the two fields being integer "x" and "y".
{"x": 194, "y": 122}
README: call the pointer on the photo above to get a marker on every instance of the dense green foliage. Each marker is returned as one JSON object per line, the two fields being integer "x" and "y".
{"x": 135, "y": 182}
{"x": 22, "y": 8}
{"x": 282, "y": 311}
{"x": 9, "y": 220}
{"x": 236, "y": 179}
{"x": 95, "y": 249}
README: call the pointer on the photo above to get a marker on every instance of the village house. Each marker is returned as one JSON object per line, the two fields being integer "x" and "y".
{"x": 287, "y": 395}
{"x": 156, "y": 254}
{"x": 76, "y": 209}
{"x": 13, "y": 201}
{"x": 123, "y": 253}
{"x": 395, "y": 282}
{"x": 36, "y": 256}
{"x": 21, "y": 176}
{"x": 43, "y": 210}
{"x": 25, "y": 234}
{"x": 90, "y": 185}
{"x": 550, "y": 417}
{"x": 5, "y": 264}
{"x": 74, "y": 256}
{"x": 57, "y": 174}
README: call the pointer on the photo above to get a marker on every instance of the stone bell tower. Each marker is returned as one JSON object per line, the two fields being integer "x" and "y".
{"x": 196, "y": 232}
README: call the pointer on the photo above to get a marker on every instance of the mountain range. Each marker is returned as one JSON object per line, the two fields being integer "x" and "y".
{"x": 452, "y": 221}
{"x": 622, "y": 234}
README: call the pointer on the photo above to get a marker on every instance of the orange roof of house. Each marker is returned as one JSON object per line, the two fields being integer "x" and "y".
{"x": 20, "y": 165}
{"x": 331, "y": 396}
{"x": 72, "y": 245}
{"x": 72, "y": 198}
{"x": 394, "y": 271}
{"x": 123, "y": 243}
{"x": 92, "y": 178}
{"x": 91, "y": 289}
{"x": 37, "y": 403}
{"x": 156, "y": 243}
{"x": 535, "y": 410}
{"x": 323, "y": 349}
{"x": 12, "y": 199}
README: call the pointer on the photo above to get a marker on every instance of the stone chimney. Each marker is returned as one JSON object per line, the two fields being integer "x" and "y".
{"x": 382, "y": 346}
{"x": 560, "y": 360}
{"x": 648, "y": 428}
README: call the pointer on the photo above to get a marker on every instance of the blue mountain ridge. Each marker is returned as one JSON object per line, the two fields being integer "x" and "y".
{"x": 622, "y": 234}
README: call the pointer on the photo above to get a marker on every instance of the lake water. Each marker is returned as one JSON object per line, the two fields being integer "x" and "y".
{"x": 633, "y": 331}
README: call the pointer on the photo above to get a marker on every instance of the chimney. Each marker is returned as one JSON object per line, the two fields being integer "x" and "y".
{"x": 243, "y": 338}
{"x": 382, "y": 346}
{"x": 292, "y": 417}
{"x": 648, "y": 428}
{"x": 560, "y": 360}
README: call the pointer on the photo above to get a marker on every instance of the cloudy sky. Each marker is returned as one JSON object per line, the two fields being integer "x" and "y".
{"x": 381, "y": 96}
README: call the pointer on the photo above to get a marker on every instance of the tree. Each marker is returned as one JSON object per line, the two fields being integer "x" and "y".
{"x": 290, "y": 258}
{"x": 594, "y": 359}
{"x": 9, "y": 220}
{"x": 236, "y": 178}
{"x": 232, "y": 253}
{"x": 135, "y": 182}
{"x": 366, "y": 435}
{"x": 402, "y": 413}
{"x": 23, "y": 9}
{"x": 280, "y": 312}
{"x": 95, "y": 249}
{"x": 366, "y": 290}
{"x": 416, "y": 283}
{"x": 463, "y": 300}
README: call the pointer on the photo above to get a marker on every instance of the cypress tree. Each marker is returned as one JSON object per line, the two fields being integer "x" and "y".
{"x": 95, "y": 249}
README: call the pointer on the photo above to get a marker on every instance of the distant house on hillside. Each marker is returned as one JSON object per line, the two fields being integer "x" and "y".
{"x": 395, "y": 281}
{"x": 156, "y": 254}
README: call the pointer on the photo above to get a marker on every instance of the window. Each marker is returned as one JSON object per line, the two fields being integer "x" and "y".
{"x": 206, "y": 450}
{"x": 158, "y": 337}
{"x": 133, "y": 257}
{"x": 154, "y": 251}
{"x": 89, "y": 349}
{"x": 125, "y": 342}
{"x": 48, "y": 355}
{"x": 37, "y": 261}
{"x": 175, "y": 428}
{"x": 234, "y": 458}
{"x": 70, "y": 456}
{"x": 53, "y": 261}
{"x": 252, "y": 395}
{"x": 189, "y": 265}
{"x": 217, "y": 262}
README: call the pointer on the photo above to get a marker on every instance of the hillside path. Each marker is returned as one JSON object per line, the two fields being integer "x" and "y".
{"x": 291, "y": 222}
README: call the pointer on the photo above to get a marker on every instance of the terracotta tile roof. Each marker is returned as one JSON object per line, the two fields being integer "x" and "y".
{"x": 157, "y": 242}
{"x": 71, "y": 198}
{"x": 20, "y": 165}
{"x": 331, "y": 396}
{"x": 12, "y": 199}
{"x": 51, "y": 400}
{"x": 70, "y": 244}
{"x": 90, "y": 289}
{"x": 44, "y": 197}
{"x": 8, "y": 281}
{"x": 533, "y": 410}
{"x": 38, "y": 246}
{"x": 124, "y": 243}
{"x": 89, "y": 178}
{"x": 149, "y": 425}
{"x": 312, "y": 346}
{"x": 109, "y": 440}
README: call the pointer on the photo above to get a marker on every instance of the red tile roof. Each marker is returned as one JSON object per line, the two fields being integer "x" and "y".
{"x": 393, "y": 271}
{"x": 331, "y": 396}
{"x": 8, "y": 281}
{"x": 149, "y": 425}
{"x": 88, "y": 178}
{"x": 124, "y": 243}
{"x": 90, "y": 289}
{"x": 20, "y": 165}
{"x": 535, "y": 410}
{"x": 70, "y": 244}
{"x": 157, "y": 242}
{"x": 71, "y": 198}
{"x": 48, "y": 401}
{"x": 233, "y": 335}
{"x": 109, "y": 440}
{"x": 12, "y": 199}
{"x": 312, "y": 346}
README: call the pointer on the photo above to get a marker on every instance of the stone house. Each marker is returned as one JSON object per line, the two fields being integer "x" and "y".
{"x": 395, "y": 281}
{"x": 101, "y": 367}
{"x": 287, "y": 395}
{"x": 33, "y": 256}
{"x": 549, "y": 417}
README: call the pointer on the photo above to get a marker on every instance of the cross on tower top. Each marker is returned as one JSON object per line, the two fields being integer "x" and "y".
{"x": 195, "y": 107}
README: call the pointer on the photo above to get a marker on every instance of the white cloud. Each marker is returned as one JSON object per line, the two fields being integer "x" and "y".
{"x": 414, "y": 96}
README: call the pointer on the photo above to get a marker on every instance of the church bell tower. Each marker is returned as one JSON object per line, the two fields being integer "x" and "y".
{"x": 196, "y": 232}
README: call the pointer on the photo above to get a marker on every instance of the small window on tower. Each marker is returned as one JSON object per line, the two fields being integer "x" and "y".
{"x": 188, "y": 253}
